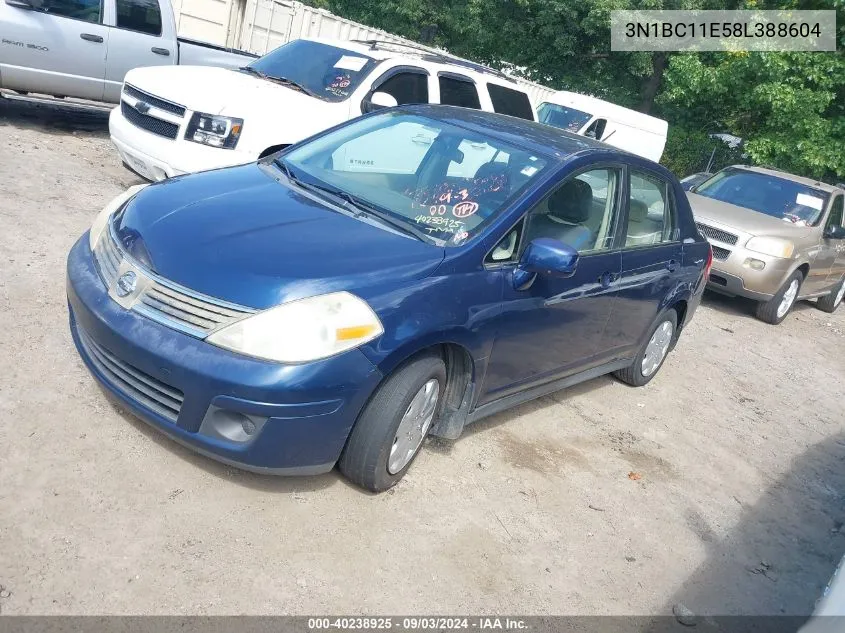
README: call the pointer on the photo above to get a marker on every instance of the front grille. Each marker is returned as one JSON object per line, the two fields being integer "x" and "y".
{"x": 108, "y": 259}
{"x": 132, "y": 382}
{"x": 712, "y": 233}
{"x": 164, "y": 302}
{"x": 720, "y": 253}
{"x": 149, "y": 123}
{"x": 146, "y": 97}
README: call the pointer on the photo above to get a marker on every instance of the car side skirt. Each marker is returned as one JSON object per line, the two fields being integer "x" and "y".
{"x": 507, "y": 402}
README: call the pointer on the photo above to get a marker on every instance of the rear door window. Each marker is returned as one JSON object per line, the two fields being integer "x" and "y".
{"x": 143, "y": 16}
{"x": 509, "y": 101}
{"x": 406, "y": 87}
{"x": 652, "y": 216}
{"x": 458, "y": 91}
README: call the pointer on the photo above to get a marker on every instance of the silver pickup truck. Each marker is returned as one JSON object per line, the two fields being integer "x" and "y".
{"x": 83, "y": 48}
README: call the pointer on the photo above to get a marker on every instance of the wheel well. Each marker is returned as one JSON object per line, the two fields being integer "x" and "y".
{"x": 273, "y": 149}
{"x": 805, "y": 270}
{"x": 681, "y": 308}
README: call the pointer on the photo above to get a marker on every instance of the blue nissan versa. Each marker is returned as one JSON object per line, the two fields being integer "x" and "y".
{"x": 405, "y": 273}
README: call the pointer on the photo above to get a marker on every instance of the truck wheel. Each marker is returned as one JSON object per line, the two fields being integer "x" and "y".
{"x": 652, "y": 354}
{"x": 775, "y": 309}
{"x": 393, "y": 425}
{"x": 832, "y": 301}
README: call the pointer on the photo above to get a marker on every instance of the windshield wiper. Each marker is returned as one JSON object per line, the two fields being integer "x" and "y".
{"x": 356, "y": 206}
{"x": 253, "y": 71}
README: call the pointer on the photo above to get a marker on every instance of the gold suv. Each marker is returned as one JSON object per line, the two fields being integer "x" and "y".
{"x": 776, "y": 238}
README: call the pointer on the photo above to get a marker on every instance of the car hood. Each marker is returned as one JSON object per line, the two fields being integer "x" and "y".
{"x": 745, "y": 220}
{"x": 239, "y": 235}
{"x": 215, "y": 90}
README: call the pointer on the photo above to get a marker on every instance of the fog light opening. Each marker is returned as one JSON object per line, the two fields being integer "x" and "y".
{"x": 754, "y": 264}
{"x": 248, "y": 426}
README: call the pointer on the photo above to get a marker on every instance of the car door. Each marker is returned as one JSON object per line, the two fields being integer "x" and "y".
{"x": 555, "y": 326}
{"x": 140, "y": 36}
{"x": 652, "y": 257}
{"x": 59, "y": 49}
{"x": 836, "y": 218}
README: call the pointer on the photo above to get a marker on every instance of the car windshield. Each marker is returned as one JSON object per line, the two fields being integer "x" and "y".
{"x": 560, "y": 116}
{"x": 326, "y": 72}
{"x": 443, "y": 181}
{"x": 764, "y": 193}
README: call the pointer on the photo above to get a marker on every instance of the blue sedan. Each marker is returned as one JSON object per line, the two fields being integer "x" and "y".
{"x": 403, "y": 274}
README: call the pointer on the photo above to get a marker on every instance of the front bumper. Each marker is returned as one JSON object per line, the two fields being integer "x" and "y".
{"x": 157, "y": 158}
{"x": 301, "y": 415}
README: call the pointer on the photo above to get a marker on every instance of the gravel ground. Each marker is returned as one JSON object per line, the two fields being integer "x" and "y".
{"x": 719, "y": 485}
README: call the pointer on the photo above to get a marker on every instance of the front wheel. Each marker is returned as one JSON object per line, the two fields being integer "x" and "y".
{"x": 393, "y": 425}
{"x": 651, "y": 356}
{"x": 832, "y": 301}
{"x": 775, "y": 309}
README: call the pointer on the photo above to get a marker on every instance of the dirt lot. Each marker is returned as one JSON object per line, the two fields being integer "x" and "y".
{"x": 739, "y": 442}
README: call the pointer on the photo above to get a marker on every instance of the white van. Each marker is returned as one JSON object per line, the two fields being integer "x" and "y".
{"x": 626, "y": 129}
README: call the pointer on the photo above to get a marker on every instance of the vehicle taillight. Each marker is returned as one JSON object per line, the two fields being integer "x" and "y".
{"x": 709, "y": 263}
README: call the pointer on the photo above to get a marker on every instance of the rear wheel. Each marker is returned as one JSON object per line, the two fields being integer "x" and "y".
{"x": 775, "y": 309}
{"x": 390, "y": 431}
{"x": 652, "y": 354}
{"x": 834, "y": 299}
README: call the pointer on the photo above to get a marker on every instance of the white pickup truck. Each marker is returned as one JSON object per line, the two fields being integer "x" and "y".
{"x": 84, "y": 48}
{"x": 173, "y": 121}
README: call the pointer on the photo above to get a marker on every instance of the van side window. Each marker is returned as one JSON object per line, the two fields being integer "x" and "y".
{"x": 836, "y": 212}
{"x": 406, "y": 87}
{"x": 143, "y": 16}
{"x": 596, "y": 129}
{"x": 652, "y": 216}
{"x": 85, "y": 10}
{"x": 509, "y": 101}
{"x": 458, "y": 92}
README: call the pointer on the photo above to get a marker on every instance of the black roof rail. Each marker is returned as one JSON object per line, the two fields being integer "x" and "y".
{"x": 430, "y": 54}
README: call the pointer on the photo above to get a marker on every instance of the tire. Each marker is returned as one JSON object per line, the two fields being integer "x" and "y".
{"x": 772, "y": 311}
{"x": 640, "y": 372}
{"x": 832, "y": 301}
{"x": 367, "y": 459}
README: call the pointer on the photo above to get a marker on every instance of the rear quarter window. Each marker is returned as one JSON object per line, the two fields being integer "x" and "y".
{"x": 509, "y": 101}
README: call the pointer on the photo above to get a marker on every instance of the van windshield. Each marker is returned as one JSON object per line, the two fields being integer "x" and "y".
{"x": 777, "y": 197}
{"x": 568, "y": 119}
{"x": 326, "y": 72}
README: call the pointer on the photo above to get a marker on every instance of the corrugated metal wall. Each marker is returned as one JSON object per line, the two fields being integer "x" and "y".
{"x": 259, "y": 26}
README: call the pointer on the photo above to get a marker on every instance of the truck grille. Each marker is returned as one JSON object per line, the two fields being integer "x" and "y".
{"x": 712, "y": 233}
{"x": 163, "y": 301}
{"x": 150, "y": 392}
{"x": 149, "y": 123}
{"x": 161, "y": 104}
{"x": 720, "y": 253}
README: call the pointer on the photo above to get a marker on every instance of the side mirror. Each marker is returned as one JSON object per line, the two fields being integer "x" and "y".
{"x": 835, "y": 232}
{"x": 377, "y": 101}
{"x": 545, "y": 256}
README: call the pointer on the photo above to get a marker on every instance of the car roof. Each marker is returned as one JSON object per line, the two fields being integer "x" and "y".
{"x": 537, "y": 137}
{"x": 809, "y": 182}
{"x": 423, "y": 56}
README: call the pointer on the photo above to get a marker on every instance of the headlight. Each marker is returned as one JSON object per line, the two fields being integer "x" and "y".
{"x": 102, "y": 219}
{"x": 214, "y": 130}
{"x": 303, "y": 330}
{"x": 774, "y": 246}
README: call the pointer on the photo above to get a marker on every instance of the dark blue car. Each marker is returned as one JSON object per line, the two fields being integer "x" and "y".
{"x": 406, "y": 273}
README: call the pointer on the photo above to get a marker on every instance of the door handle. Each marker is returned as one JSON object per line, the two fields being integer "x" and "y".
{"x": 160, "y": 51}
{"x": 605, "y": 279}
{"x": 672, "y": 265}
{"x": 90, "y": 37}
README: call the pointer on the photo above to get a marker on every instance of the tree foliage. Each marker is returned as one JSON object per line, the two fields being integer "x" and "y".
{"x": 788, "y": 107}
